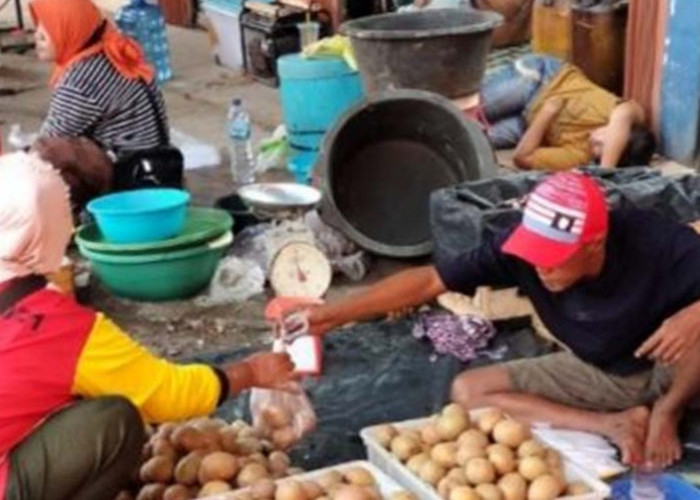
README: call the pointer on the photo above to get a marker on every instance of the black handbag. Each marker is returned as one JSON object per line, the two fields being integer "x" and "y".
{"x": 162, "y": 166}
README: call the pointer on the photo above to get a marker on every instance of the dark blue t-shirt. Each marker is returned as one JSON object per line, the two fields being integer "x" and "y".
{"x": 651, "y": 271}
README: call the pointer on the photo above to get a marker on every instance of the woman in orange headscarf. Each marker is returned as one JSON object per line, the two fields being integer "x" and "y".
{"x": 104, "y": 101}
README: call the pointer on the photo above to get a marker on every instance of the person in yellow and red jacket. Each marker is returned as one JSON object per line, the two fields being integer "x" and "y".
{"x": 75, "y": 390}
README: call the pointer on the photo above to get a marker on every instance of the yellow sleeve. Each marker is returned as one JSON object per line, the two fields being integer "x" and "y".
{"x": 111, "y": 363}
{"x": 558, "y": 158}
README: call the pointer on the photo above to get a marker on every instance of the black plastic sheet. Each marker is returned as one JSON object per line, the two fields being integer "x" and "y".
{"x": 373, "y": 373}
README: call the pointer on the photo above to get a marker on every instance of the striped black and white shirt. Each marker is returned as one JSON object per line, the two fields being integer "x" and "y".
{"x": 94, "y": 100}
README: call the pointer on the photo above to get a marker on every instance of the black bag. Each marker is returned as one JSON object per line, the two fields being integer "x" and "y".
{"x": 162, "y": 166}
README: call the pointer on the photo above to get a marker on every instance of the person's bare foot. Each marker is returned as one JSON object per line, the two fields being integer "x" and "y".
{"x": 662, "y": 447}
{"x": 627, "y": 429}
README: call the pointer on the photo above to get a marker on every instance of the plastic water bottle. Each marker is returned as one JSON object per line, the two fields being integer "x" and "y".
{"x": 645, "y": 485}
{"x": 144, "y": 22}
{"x": 238, "y": 128}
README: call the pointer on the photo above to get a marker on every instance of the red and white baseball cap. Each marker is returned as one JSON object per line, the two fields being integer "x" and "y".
{"x": 563, "y": 213}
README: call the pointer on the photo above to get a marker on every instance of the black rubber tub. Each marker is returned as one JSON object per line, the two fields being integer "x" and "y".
{"x": 440, "y": 50}
{"x": 384, "y": 157}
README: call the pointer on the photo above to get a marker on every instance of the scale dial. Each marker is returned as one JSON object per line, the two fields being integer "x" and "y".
{"x": 300, "y": 270}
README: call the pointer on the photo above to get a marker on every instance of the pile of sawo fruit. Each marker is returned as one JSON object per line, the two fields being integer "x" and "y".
{"x": 493, "y": 458}
{"x": 204, "y": 457}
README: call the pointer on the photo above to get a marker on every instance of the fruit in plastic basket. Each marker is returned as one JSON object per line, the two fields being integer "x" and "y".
{"x": 429, "y": 434}
{"x": 352, "y": 492}
{"x": 480, "y": 471}
{"x": 510, "y": 432}
{"x": 445, "y": 454}
{"x": 473, "y": 437}
{"x": 157, "y": 470}
{"x": 458, "y": 476}
{"x": 384, "y": 434}
{"x": 463, "y": 493}
{"x": 488, "y": 420}
{"x": 218, "y": 466}
{"x": 544, "y": 488}
{"x": 489, "y": 492}
{"x": 577, "y": 488}
{"x": 416, "y": 462}
{"x": 454, "y": 409}
{"x": 329, "y": 479}
{"x": 466, "y": 453}
{"x": 531, "y": 448}
{"x": 513, "y": 486}
{"x": 403, "y": 495}
{"x": 451, "y": 425}
{"x": 263, "y": 489}
{"x": 214, "y": 487}
{"x": 359, "y": 476}
{"x": 405, "y": 446}
{"x": 290, "y": 490}
{"x": 431, "y": 472}
{"x": 178, "y": 492}
{"x": 151, "y": 492}
{"x": 444, "y": 487}
{"x": 188, "y": 467}
{"x": 503, "y": 459}
{"x": 532, "y": 467}
{"x": 243, "y": 495}
{"x": 251, "y": 474}
{"x": 312, "y": 489}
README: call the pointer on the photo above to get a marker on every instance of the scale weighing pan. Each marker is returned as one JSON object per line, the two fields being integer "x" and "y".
{"x": 279, "y": 196}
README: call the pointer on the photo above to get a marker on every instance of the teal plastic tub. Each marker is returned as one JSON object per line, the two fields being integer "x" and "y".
{"x": 161, "y": 276}
{"x": 314, "y": 94}
{"x": 140, "y": 216}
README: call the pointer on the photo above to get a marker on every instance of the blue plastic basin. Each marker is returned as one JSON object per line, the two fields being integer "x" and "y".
{"x": 140, "y": 216}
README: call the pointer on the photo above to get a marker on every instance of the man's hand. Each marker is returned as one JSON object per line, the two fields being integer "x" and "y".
{"x": 674, "y": 338}
{"x": 270, "y": 370}
{"x": 320, "y": 321}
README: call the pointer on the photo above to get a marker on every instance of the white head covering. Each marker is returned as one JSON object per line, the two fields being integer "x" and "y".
{"x": 35, "y": 217}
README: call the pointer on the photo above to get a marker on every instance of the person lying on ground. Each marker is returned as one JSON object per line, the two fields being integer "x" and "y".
{"x": 621, "y": 290}
{"x": 105, "y": 99}
{"x": 557, "y": 119}
{"x": 75, "y": 389}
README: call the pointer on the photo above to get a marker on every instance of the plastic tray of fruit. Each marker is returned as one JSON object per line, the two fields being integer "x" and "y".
{"x": 482, "y": 455}
{"x": 358, "y": 480}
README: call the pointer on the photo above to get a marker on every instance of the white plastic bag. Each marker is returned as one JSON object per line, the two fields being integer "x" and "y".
{"x": 284, "y": 417}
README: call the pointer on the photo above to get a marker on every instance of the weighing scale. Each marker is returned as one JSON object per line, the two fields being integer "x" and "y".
{"x": 297, "y": 268}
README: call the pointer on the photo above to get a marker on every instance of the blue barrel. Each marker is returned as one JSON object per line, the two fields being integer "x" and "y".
{"x": 680, "y": 85}
{"x": 314, "y": 94}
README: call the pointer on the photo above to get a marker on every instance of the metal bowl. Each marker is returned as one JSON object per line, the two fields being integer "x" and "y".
{"x": 279, "y": 196}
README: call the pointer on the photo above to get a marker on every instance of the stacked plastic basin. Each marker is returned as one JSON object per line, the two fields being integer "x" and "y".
{"x": 148, "y": 245}
{"x": 314, "y": 94}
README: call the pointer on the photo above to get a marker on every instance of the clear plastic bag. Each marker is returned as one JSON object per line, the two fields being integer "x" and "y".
{"x": 282, "y": 416}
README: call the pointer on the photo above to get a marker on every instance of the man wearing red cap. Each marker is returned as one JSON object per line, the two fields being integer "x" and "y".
{"x": 621, "y": 290}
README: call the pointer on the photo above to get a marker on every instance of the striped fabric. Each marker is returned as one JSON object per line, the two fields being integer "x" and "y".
{"x": 95, "y": 101}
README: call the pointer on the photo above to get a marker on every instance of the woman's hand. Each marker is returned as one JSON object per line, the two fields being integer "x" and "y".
{"x": 270, "y": 370}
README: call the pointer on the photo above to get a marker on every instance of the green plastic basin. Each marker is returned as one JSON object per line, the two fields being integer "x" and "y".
{"x": 201, "y": 225}
{"x": 160, "y": 276}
